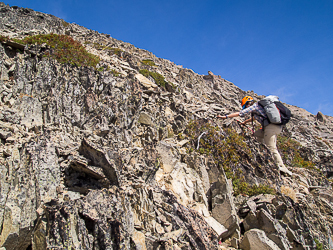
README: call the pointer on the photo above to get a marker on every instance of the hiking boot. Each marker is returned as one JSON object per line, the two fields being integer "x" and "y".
{"x": 285, "y": 170}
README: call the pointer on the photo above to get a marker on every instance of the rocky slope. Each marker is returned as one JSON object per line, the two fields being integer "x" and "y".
{"x": 107, "y": 158}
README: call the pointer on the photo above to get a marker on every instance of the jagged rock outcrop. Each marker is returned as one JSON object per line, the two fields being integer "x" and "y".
{"x": 98, "y": 158}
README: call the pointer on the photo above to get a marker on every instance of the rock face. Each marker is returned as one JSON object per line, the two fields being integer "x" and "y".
{"x": 90, "y": 159}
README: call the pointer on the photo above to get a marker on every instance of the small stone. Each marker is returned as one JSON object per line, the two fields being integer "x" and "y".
{"x": 145, "y": 119}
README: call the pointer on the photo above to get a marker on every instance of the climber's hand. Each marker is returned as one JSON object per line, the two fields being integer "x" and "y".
{"x": 241, "y": 123}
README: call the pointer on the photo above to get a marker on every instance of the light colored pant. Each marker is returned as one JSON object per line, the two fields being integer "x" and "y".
{"x": 269, "y": 136}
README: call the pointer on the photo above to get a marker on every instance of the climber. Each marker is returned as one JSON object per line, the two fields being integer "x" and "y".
{"x": 267, "y": 134}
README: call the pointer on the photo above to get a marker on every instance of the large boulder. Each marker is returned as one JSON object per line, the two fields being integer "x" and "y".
{"x": 256, "y": 239}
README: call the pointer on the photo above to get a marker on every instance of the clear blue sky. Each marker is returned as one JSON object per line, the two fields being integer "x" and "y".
{"x": 281, "y": 47}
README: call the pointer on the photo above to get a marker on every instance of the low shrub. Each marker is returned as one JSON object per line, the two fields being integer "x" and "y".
{"x": 148, "y": 62}
{"x": 319, "y": 246}
{"x": 3, "y": 39}
{"x": 158, "y": 78}
{"x": 64, "y": 49}
{"x": 113, "y": 50}
{"x": 228, "y": 149}
{"x": 290, "y": 152}
{"x": 115, "y": 72}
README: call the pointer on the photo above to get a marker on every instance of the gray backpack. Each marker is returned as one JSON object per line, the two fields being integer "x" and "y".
{"x": 276, "y": 112}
